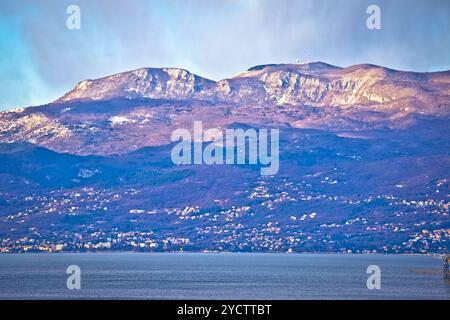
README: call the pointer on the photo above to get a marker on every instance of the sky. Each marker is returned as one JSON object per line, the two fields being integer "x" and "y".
{"x": 41, "y": 59}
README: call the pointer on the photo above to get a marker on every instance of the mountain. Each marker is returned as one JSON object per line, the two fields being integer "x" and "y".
{"x": 131, "y": 110}
{"x": 364, "y": 163}
{"x": 165, "y": 83}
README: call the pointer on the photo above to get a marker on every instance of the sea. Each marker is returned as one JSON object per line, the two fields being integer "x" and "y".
{"x": 241, "y": 276}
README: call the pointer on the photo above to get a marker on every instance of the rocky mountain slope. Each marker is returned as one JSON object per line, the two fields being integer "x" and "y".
{"x": 131, "y": 110}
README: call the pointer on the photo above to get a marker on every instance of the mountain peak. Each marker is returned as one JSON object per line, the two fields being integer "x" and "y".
{"x": 140, "y": 83}
{"x": 312, "y": 66}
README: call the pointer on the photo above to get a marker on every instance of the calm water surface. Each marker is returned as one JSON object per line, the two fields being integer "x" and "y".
{"x": 220, "y": 276}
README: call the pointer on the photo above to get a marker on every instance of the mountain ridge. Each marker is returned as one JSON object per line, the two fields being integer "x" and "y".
{"x": 193, "y": 83}
{"x": 133, "y": 109}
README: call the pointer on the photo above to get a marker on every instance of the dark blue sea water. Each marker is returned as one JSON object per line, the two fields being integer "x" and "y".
{"x": 220, "y": 276}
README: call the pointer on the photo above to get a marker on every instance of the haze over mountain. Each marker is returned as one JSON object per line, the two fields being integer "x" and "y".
{"x": 364, "y": 163}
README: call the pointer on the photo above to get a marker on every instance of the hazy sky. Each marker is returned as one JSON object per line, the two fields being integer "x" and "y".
{"x": 40, "y": 59}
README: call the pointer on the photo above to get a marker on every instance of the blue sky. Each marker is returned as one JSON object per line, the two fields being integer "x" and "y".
{"x": 40, "y": 59}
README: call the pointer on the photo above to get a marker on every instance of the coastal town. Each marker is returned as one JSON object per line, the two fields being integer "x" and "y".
{"x": 270, "y": 217}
